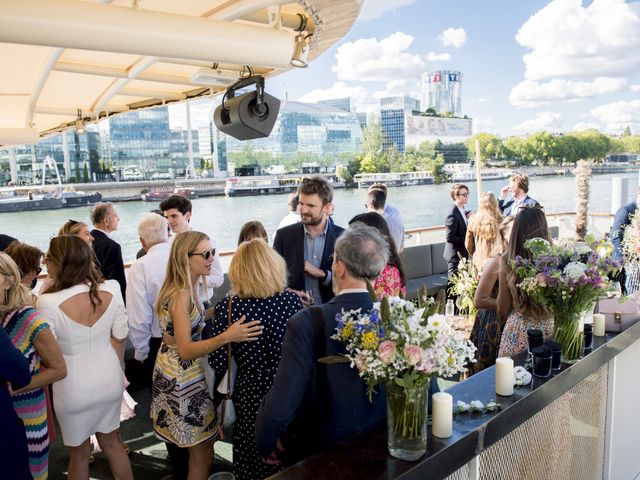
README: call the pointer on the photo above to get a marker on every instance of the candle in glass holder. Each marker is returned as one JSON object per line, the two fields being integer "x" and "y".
{"x": 504, "y": 376}
{"x": 598, "y": 324}
{"x": 442, "y": 419}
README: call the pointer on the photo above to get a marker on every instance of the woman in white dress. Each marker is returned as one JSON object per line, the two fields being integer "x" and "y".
{"x": 88, "y": 317}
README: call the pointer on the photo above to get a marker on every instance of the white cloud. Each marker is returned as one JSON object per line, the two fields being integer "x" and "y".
{"x": 568, "y": 39}
{"x": 361, "y": 98}
{"x": 530, "y": 93}
{"x": 201, "y": 113}
{"x": 454, "y": 37}
{"x": 376, "y": 8}
{"x": 483, "y": 125}
{"x": 635, "y": 88}
{"x": 549, "y": 121}
{"x": 438, "y": 57}
{"x": 396, "y": 84}
{"x": 618, "y": 115}
{"x": 580, "y": 126}
{"x": 480, "y": 100}
{"x": 368, "y": 59}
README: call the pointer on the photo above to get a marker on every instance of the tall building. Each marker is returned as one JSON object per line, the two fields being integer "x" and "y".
{"x": 442, "y": 91}
{"x": 340, "y": 103}
{"x": 393, "y": 111}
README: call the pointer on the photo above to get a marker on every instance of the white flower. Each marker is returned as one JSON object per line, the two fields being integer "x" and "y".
{"x": 581, "y": 249}
{"x": 575, "y": 270}
{"x": 521, "y": 376}
{"x": 463, "y": 407}
{"x": 477, "y": 405}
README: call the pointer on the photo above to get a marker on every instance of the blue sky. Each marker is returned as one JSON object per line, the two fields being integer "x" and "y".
{"x": 527, "y": 65}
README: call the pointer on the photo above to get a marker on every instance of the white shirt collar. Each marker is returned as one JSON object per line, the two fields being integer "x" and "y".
{"x": 352, "y": 290}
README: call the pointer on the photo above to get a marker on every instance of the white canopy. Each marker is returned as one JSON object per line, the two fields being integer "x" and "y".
{"x": 64, "y": 60}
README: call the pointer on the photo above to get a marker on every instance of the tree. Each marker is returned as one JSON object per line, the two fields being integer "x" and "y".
{"x": 583, "y": 174}
{"x": 85, "y": 173}
{"x": 490, "y": 146}
{"x": 627, "y": 131}
{"x": 437, "y": 169}
{"x": 430, "y": 112}
{"x": 342, "y": 172}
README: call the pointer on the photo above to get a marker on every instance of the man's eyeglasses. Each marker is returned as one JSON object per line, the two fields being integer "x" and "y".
{"x": 462, "y": 194}
{"x": 207, "y": 254}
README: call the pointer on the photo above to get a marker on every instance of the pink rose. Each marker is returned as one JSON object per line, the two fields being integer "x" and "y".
{"x": 413, "y": 354}
{"x": 387, "y": 351}
{"x": 541, "y": 279}
{"x": 427, "y": 362}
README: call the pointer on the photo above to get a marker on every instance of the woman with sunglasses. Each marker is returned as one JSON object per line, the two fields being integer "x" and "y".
{"x": 80, "y": 229}
{"x": 30, "y": 333}
{"x": 181, "y": 409}
{"x": 28, "y": 259}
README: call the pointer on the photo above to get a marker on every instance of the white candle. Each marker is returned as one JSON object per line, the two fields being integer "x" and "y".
{"x": 598, "y": 324}
{"x": 442, "y": 418}
{"x": 504, "y": 376}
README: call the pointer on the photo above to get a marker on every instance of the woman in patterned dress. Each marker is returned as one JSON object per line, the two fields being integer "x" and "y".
{"x": 514, "y": 304}
{"x": 392, "y": 280}
{"x": 258, "y": 278}
{"x": 181, "y": 409}
{"x": 30, "y": 333}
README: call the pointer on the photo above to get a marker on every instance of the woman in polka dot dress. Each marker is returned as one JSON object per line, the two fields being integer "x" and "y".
{"x": 258, "y": 277}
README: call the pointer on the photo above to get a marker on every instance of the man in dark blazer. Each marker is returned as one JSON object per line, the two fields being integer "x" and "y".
{"x": 108, "y": 252}
{"x": 312, "y": 405}
{"x": 456, "y": 228}
{"x": 307, "y": 247}
{"x": 519, "y": 188}
{"x": 621, "y": 220}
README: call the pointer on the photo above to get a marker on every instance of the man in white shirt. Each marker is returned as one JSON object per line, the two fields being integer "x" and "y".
{"x": 294, "y": 212}
{"x": 376, "y": 202}
{"x": 177, "y": 210}
{"x": 146, "y": 276}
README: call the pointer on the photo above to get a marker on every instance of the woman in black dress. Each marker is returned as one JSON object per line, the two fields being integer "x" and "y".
{"x": 258, "y": 279}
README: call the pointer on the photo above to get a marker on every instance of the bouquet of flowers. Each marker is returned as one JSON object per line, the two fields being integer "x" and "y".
{"x": 631, "y": 240}
{"x": 464, "y": 284}
{"x": 398, "y": 344}
{"x": 567, "y": 277}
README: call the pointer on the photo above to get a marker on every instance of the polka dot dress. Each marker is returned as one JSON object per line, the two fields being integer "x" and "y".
{"x": 257, "y": 364}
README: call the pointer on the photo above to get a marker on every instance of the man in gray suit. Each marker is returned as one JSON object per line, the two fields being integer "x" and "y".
{"x": 312, "y": 405}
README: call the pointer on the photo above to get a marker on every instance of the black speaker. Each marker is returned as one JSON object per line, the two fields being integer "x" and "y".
{"x": 244, "y": 119}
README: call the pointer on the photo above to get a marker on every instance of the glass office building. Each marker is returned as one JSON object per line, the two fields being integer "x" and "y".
{"x": 392, "y": 115}
{"x": 314, "y": 128}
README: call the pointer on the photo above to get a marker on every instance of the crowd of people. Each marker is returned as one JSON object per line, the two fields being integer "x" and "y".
{"x": 268, "y": 332}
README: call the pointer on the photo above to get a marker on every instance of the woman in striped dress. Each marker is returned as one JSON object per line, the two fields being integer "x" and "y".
{"x": 30, "y": 334}
{"x": 181, "y": 408}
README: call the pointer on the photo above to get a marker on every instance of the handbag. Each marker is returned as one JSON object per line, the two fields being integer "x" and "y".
{"x": 618, "y": 316}
{"x": 226, "y": 410}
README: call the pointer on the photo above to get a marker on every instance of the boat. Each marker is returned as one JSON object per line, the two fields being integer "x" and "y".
{"x": 394, "y": 179}
{"x": 71, "y": 198}
{"x": 469, "y": 175}
{"x": 30, "y": 203}
{"x": 159, "y": 195}
{"x": 236, "y": 187}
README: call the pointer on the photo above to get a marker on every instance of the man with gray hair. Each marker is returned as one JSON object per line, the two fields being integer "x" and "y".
{"x": 108, "y": 252}
{"x": 312, "y": 405}
{"x": 146, "y": 276}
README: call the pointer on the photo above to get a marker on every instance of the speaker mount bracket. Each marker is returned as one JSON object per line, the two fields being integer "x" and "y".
{"x": 257, "y": 80}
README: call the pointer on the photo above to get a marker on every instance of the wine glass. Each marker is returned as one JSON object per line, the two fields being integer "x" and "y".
{"x": 309, "y": 294}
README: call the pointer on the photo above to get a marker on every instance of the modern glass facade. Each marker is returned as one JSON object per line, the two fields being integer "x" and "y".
{"x": 313, "y": 128}
{"x": 442, "y": 91}
{"x": 339, "y": 103}
{"x": 392, "y": 115}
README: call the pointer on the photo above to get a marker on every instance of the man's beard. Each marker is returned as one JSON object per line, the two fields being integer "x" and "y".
{"x": 311, "y": 220}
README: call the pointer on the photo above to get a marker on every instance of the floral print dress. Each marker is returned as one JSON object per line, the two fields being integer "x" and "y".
{"x": 181, "y": 409}
{"x": 514, "y": 336}
{"x": 389, "y": 283}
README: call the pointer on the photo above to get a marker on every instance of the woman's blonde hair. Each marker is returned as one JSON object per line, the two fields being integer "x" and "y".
{"x": 178, "y": 277}
{"x": 15, "y": 295}
{"x": 257, "y": 271}
{"x": 485, "y": 223}
{"x": 529, "y": 223}
{"x": 72, "y": 227}
{"x": 74, "y": 264}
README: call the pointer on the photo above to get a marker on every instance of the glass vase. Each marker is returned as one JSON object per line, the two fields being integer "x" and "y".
{"x": 407, "y": 421}
{"x": 567, "y": 332}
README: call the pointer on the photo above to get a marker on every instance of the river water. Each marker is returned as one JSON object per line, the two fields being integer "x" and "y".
{"x": 222, "y": 217}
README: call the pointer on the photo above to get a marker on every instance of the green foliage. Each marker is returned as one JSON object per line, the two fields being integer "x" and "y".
{"x": 85, "y": 173}
{"x": 342, "y": 172}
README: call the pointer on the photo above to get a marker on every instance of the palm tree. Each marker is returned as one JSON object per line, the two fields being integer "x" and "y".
{"x": 583, "y": 175}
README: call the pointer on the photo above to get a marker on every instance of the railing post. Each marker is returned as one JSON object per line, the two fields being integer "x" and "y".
{"x": 619, "y": 193}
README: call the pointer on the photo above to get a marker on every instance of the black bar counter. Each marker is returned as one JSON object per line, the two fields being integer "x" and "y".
{"x": 365, "y": 455}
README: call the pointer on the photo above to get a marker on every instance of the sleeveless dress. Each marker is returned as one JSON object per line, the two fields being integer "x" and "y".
{"x": 88, "y": 399}
{"x": 23, "y": 326}
{"x": 181, "y": 409}
{"x": 257, "y": 365}
{"x": 514, "y": 336}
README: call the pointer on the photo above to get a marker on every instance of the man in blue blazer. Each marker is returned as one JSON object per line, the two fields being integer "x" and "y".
{"x": 312, "y": 405}
{"x": 108, "y": 252}
{"x": 518, "y": 187}
{"x": 307, "y": 247}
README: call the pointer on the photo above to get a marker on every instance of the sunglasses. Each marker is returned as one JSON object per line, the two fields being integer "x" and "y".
{"x": 38, "y": 271}
{"x": 207, "y": 254}
{"x": 462, "y": 194}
